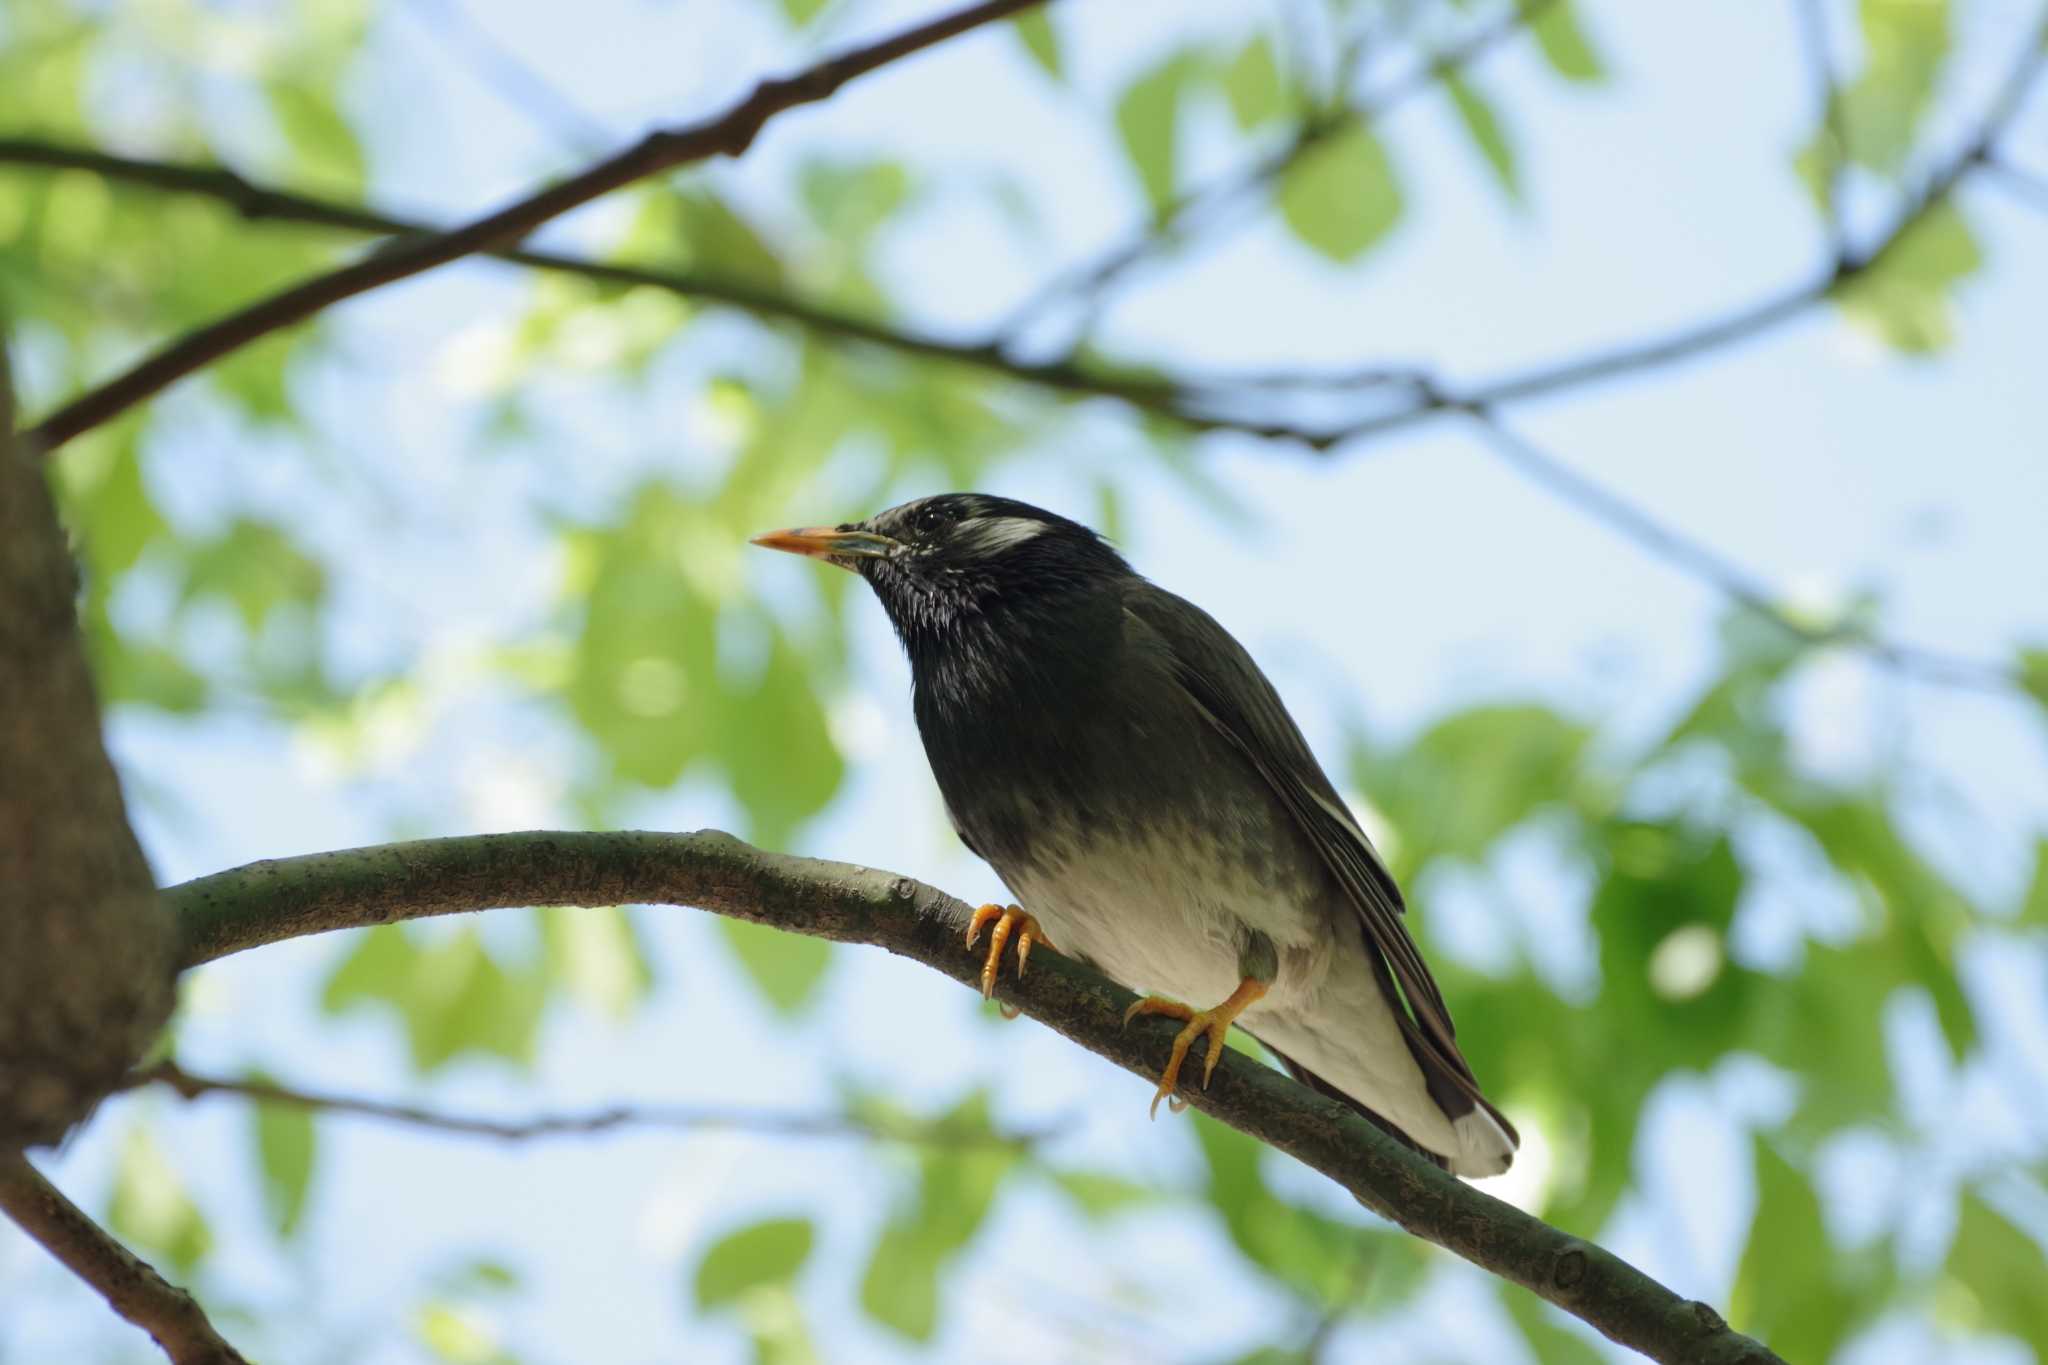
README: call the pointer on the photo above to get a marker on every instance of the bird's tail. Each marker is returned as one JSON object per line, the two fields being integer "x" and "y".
{"x": 1323, "y": 1087}
{"x": 1486, "y": 1140}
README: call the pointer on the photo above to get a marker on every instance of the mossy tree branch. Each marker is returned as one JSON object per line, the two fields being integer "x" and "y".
{"x": 271, "y": 901}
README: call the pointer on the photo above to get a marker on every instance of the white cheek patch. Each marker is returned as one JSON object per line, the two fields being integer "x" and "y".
{"x": 992, "y": 535}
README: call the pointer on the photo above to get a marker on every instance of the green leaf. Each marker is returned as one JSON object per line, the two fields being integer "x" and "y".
{"x": 644, "y": 682}
{"x": 322, "y": 142}
{"x": 708, "y": 232}
{"x": 786, "y": 968}
{"x": 801, "y": 12}
{"x": 1034, "y": 28}
{"x": 776, "y": 747}
{"x": 1550, "y": 1341}
{"x": 1099, "y": 1194}
{"x": 1905, "y": 45}
{"x": 766, "y": 1253}
{"x": 596, "y": 954}
{"x": 1472, "y": 777}
{"x": 2034, "y": 905}
{"x": 2033, "y": 670}
{"x": 1483, "y": 125}
{"x": 900, "y": 1287}
{"x": 285, "y": 1149}
{"x": 956, "y": 1189}
{"x": 1565, "y": 45}
{"x": 255, "y": 567}
{"x": 2000, "y": 1270}
{"x": 1148, "y": 118}
{"x": 1907, "y": 295}
{"x": 151, "y": 1209}
{"x": 1252, "y": 83}
{"x": 850, "y": 200}
{"x": 1786, "y": 1294}
{"x": 1340, "y": 197}
{"x": 451, "y": 995}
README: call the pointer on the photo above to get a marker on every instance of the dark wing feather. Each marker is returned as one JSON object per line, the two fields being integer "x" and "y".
{"x": 1221, "y": 679}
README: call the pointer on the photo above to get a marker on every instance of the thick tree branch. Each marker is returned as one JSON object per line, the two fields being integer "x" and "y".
{"x": 267, "y": 902}
{"x": 85, "y": 970}
{"x": 129, "y": 1284}
{"x": 681, "y": 1118}
{"x": 727, "y": 134}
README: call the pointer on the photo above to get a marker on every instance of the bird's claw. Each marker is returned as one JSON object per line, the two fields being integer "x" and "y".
{"x": 1216, "y": 1023}
{"x": 1008, "y": 919}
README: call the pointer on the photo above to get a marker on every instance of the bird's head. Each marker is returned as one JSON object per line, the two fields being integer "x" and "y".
{"x": 939, "y": 562}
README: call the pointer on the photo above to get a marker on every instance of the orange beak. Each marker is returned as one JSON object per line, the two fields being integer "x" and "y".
{"x": 826, "y": 543}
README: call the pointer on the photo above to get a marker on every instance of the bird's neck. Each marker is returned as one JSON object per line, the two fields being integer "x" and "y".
{"x": 1040, "y": 657}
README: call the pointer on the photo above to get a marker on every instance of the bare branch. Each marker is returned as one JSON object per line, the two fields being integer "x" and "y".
{"x": 263, "y": 203}
{"x": 693, "y": 1118}
{"x": 1704, "y": 562}
{"x": 1094, "y": 277}
{"x": 271, "y": 901}
{"x": 727, "y": 134}
{"x": 514, "y": 80}
{"x": 129, "y": 1284}
{"x": 2031, "y": 186}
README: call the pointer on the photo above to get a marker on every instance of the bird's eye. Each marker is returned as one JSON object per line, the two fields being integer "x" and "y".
{"x": 931, "y": 519}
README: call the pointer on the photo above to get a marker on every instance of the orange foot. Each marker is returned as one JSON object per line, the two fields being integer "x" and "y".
{"x": 1008, "y": 919}
{"x": 1215, "y": 1023}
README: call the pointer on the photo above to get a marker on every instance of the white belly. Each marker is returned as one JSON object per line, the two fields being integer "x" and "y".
{"x": 1156, "y": 920}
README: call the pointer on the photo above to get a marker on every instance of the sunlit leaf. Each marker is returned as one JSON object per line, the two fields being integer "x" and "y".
{"x": 2034, "y": 904}
{"x": 2000, "y": 1270}
{"x": 956, "y": 1188}
{"x": 1907, "y": 297}
{"x": 451, "y": 995}
{"x": 766, "y": 1253}
{"x": 1099, "y": 1194}
{"x": 1905, "y": 45}
{"x": 900, "y": 1286}
{"x": 1148, "y": 118}
{"x": 1252, "y": 83}
{"x": 597, "y": 955}
{"x": 786, "y": 968}
{"x": 151, "y": 1209}
{"x": 1564, "y": 44}
{"x": 1034, "y": 28}
{"x": 1482, "y": 123}
{"x": 1785, "y": 1291}
{"x": 286, "y": 1146}
{"x": 1341, "y": 196}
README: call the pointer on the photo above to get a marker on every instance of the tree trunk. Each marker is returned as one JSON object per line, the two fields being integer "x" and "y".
{"x": 85, "y": 953}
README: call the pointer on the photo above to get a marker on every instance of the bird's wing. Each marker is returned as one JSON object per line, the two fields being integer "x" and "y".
{"x": 1227, "y": 686}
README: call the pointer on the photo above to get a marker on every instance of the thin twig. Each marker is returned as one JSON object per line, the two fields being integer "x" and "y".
{"x": 192, "y": 1086}
{"x": 1700, "y": 560}
{"x": 514, "y": 80}
{"x": 727, "y": 134}
{"x": 1094, "y": 277}
{"x": 274, "y": 900}
{"x": 2031, "y": 186}
{"x": 129, "y": 1284}
{"x": 1435, "y": 397}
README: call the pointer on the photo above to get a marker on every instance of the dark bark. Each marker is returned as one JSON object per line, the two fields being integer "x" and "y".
{"x": 85, "y": 953}
{"x": 274, "y": 900}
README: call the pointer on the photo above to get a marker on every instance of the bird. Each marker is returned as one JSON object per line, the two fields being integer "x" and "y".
{"x": 1135, "y": 780}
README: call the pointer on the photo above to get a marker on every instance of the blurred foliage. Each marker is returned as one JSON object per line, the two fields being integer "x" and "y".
{"x": 666, "y": 662}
